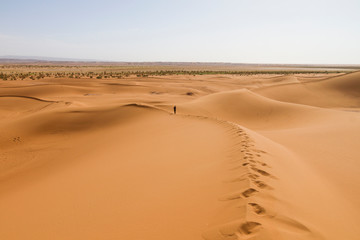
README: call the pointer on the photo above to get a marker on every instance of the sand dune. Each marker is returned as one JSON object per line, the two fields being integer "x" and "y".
{"x": 250, "y": 157}
{"x": 339, "y": 91}
{"x": 11, "y": 105}
{"x": 255, "y": 111}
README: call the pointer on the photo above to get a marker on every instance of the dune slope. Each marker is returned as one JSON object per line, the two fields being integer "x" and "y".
{"x": 107, "y": 159}
{"x": 312, "y": 158}
{"x": 339, "y": 91}
{"x": 254, "y": 111}
{"x": 152, "y": 176}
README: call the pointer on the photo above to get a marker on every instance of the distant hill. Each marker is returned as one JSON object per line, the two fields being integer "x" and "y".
{"x": 40, "y": 58}
{"x": 220, "y": 66}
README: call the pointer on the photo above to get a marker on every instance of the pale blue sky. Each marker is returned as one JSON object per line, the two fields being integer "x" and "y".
{"x": 246, "y": 31}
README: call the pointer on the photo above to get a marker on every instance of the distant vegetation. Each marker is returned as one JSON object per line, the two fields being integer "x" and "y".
{"x": 34, "y": 71}
{"x": 112, "y": 75}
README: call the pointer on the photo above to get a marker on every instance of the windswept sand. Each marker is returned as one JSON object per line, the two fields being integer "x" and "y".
{"x": 245, "y": 157}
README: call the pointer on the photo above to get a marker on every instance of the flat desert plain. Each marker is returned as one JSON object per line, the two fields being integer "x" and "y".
{"x": 267, "y": 156}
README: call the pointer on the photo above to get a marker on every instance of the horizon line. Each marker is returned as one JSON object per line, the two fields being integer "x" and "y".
{"x": 16, "y": 58}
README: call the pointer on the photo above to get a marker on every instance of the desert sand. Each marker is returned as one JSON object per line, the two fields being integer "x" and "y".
{"x": 245, "y": 157}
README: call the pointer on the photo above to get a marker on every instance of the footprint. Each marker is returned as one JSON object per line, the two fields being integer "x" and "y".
{"x": 263, "y": 164}
{"x": 257, "y": 208}
{"x": 249, "y": 192}
{"x": 16, "y": 139}
{"x": 239, "y": 195}
{"x": 253, "y": 176}
{"x": 262, "y": 185}
{"x": 248, "y": 228}
{"x": 240, "y": 229}
{"x": 262, "y": 172}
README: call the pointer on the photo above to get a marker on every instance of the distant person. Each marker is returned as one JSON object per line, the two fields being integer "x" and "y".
{"x": 174, "y": 109}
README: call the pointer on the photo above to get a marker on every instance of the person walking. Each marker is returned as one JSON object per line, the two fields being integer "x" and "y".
{"x": 174, "y": 109}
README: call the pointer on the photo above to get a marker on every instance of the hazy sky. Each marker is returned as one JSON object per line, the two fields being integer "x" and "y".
{"x": 252, "y": 31}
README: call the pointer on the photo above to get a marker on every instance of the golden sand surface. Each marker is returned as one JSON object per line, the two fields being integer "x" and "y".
{"x": 245, "y": 157}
